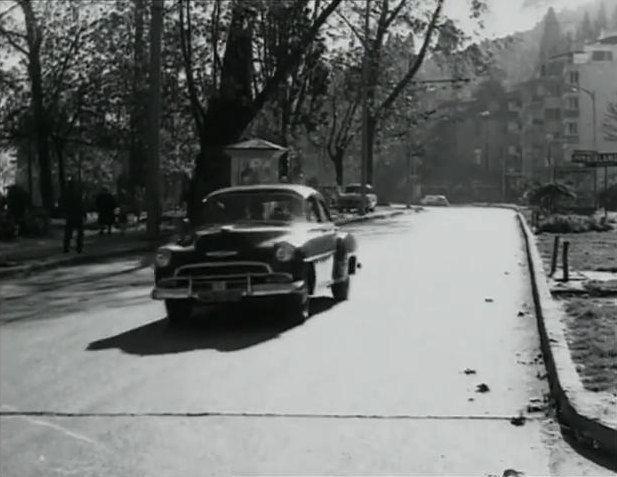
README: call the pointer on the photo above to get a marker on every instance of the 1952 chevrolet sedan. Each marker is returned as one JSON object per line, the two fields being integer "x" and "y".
{"x": 274, "y": 243}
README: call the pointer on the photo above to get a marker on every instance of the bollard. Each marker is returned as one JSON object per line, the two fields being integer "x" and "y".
{"x": 555, "y": 255}
{"x": 566, "y": 274}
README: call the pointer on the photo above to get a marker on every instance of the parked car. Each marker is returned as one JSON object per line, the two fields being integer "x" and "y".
{"x": 435, "y": 200}
{"x": 351, "y": 199}
{"x": 273, "y": 243}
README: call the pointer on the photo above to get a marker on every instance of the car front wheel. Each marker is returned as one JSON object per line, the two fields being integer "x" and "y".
{"x": 340, "y": 290}
{"x": 178, "y": 311}
{"x": 298, "y": 310}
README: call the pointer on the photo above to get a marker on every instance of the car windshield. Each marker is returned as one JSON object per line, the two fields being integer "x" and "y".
{"x": 253, "y": 206}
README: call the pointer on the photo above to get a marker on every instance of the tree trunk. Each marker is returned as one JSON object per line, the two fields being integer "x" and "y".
{"x": 138, "y": 157}
{"x": 371, "y": 129}
{"x": 337, "y": 160}
{"x": 153, "y": 191}
{"x": 41, "y": 130}
{"x": 61, "y": 170}
{"x": 229, "y": 112}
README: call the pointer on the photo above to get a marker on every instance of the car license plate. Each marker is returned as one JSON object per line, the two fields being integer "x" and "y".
{"x": 219, "y": 286}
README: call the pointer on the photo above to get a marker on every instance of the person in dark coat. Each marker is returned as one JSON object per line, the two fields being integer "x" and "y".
{"x": 17, "y": 203}
{"x": 74, "y": 213}
{"x": 105, "y": 207}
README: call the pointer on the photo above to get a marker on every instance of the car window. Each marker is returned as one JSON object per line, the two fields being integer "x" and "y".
{"x": 314, "y": 213}
{"x": 253, "y": 206}
{"x": 324, "y": 211}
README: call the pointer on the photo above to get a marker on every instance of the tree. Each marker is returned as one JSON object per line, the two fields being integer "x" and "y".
{"x": 585, "y": 31}
{"x": 342, "y": 109}
{"x": 424, "y": 28}
{"x": 552, "y": 42}
{"x": 46, "y": 81}
{"x": 234, "y": 94}
{"x": 601, "y": 23}
{"x": 610, "y": 122}
{"x": 153, "y": 194}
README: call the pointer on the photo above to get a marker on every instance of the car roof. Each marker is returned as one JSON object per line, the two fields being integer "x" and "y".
{"x": 304, "y": 191}
{"x": 357, "y": 184}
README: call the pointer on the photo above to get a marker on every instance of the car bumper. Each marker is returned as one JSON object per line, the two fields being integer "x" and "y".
{"x": 220, "y": 291}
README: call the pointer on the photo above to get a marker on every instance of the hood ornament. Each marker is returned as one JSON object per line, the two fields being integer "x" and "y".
{"x": 221, "y": 253}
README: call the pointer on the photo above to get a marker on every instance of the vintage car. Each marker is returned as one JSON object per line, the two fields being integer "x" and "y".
{"x": 351, "y": 199}
{"x": 435, "y": 200}
{"x": 274, "y": 243}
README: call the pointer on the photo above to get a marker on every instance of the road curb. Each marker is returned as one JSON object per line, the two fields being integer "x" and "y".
{"x": 366, "y": 218}
{"x": 72, "y": 260}
{"x": 578, "y": 410}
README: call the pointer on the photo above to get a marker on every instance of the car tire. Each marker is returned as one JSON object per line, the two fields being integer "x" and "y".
{"x": 340, "y": 290}
{"x": 178, "y": 311}
{"x": 298, "y": 310}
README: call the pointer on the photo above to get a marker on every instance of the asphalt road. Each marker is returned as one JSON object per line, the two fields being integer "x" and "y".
{"x": 93, "y": 383}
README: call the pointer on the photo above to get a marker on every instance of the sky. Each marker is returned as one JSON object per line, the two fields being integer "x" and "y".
{"x": 509, "y": 16}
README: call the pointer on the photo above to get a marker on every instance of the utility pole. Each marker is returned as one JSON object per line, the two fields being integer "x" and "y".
{"x": 363, "y": 169}
{"x": 153, "y": 192}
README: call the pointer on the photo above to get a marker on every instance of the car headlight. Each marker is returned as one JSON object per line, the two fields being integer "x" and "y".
{"x": 284, "y": 252}
{"x": 163, "y": 257}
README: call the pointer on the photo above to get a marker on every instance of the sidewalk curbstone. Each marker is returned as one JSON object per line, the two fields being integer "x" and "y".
{"x": 582, "y": 411}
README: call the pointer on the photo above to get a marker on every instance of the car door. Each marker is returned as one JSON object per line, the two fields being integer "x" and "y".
{"x": 321, "y": 243}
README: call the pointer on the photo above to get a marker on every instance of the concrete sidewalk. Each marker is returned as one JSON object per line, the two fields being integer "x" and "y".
{"x": 29, "y": 255}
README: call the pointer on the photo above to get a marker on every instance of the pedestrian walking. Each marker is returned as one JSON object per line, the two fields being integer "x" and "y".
{"x": 105, "y": 207}
{"x": 74, "y": 214}
{"x": 17, "y": 204}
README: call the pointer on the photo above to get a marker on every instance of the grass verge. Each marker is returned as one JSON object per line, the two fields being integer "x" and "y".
{"x": 591, "y": 331}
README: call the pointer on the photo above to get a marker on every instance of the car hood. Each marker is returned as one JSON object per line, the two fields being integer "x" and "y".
{"x": 242, "y": 236}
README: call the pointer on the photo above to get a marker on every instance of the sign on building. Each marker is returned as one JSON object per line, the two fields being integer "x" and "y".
{"x": 594, "y": 159}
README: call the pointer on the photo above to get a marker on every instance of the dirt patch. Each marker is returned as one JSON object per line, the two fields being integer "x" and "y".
{"x": 591, "y": 332}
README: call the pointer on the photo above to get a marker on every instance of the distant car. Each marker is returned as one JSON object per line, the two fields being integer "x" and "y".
{"x": 274, "y": 243}
{"x": 435, "y": 200}
{"x": 351, "y": 199}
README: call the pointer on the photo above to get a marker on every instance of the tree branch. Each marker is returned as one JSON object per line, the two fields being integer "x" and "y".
{"x": 411, "y": 72}
{"x": 352, "y": 28}
{"x": 395, "y": 13}
{"x": 185, "y": 45}
{"x": 292, "y": 60}
{"x": 11, "y": 38}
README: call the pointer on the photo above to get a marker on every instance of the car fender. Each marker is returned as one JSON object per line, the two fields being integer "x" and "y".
{"x": 346, "y": 243}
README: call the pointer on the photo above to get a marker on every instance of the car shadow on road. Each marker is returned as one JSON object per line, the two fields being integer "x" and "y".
{"x": 229, "y": 329}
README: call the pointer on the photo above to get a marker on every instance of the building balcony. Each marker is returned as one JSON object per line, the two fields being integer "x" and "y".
{"x": 571, "y": 113}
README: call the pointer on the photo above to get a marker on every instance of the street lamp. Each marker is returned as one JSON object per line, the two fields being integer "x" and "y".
{"x": 592, "y": 95}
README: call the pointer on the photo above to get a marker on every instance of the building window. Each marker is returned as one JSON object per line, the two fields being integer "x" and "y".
{"x": 571, "y": 129}
{"x": 552, "y": 114}
{"x": 602, "y": 55}
{"x": 573, "y": 102}
{"x": 574, "y": 77}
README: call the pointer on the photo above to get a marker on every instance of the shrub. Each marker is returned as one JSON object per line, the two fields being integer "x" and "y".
{"x": 564, "y": 224}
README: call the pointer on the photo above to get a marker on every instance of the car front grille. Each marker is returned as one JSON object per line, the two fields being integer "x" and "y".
{"x": 223, "y": 270}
